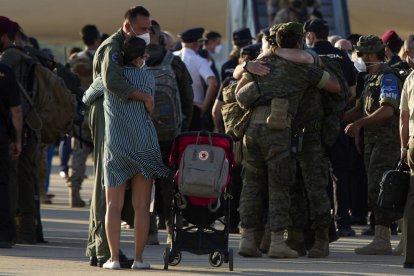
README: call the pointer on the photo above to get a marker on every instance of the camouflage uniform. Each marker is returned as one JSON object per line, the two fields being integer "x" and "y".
{"x": 312, "y": 176}
{"x": 267, "y": 161}
{"x": 381, "y": 142}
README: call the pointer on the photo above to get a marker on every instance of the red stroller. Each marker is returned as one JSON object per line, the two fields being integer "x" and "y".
{"x": 200, "y": 237}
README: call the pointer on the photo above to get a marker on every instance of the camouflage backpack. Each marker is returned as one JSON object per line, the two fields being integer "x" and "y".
{"x": 333, "y": 104}
{"x": 52, "y": 105}
{"x": 234, "y": 117}
{"x": 167, "y": 116}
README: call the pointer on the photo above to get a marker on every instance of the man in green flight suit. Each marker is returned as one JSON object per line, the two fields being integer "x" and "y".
{"x": 107, "y": 63}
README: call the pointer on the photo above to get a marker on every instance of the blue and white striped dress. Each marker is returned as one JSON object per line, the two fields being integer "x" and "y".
{"x": 131, "y": 143}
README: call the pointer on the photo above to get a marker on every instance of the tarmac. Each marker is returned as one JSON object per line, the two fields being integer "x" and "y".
{"x": 66, "y": 230}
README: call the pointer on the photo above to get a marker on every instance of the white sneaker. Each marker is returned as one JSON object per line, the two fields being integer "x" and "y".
{"x": 111, "y": 265}
{"x": 139, "y": 265}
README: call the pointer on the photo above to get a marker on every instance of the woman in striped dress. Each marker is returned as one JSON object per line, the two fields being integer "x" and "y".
{"x": 131, "y": 152}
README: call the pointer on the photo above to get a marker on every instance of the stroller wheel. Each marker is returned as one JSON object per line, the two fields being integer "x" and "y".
{"x": 166, "y": 257}
{"x": 216, "y": 259}
{"x": 231, "y": 259}
{"x": 174, "y": 259}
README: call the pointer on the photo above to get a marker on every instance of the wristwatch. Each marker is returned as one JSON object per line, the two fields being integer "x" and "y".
{"x": 244, "y": 64}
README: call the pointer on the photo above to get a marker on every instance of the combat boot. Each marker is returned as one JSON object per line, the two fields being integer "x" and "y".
{"x": 247, "y": 247}
{"x": 400, "y": 249}
{"x": 265, "y": 240}
{"x": 296, "y": 240}
{"x": 320, "y": 248}
{"x": 381, "y": 245}
{"x": 258, "y": 235}
{"x": 278, "y": 247}
{"x": 74, "y": 198}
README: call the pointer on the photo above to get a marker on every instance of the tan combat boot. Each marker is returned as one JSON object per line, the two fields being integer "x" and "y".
{"x": 320, "y": 248}
{"x": 400, "y": 249}
{"x": 248, "y": 247}
{"x": 296, "y": 241}
{"x": 381, "y": 244}
{"x": 265, "y": 240}
{"x": 278, "y": 247}
{"x": 74, "y": 198}
{"x": 258, "y": 234}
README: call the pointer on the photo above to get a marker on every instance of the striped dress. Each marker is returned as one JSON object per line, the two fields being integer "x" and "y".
{"x": 131, "y": 143}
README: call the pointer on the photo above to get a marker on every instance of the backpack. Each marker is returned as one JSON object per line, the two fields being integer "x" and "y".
{"x": 333, "y": 104}
{"x": 71, "y": 80}
{"x": 52, "y": 105}
{"x": 167, "y": 116}
{"x": 204, "y": 170}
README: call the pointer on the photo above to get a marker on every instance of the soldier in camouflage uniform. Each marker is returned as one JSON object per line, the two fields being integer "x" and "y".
{"x": 309, "y": 192}
{"x": 377, "y": 112}
{"x": 267, "y": 142}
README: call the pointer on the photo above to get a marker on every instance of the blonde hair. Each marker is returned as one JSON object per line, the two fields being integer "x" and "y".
{"x": 408, "y": 46}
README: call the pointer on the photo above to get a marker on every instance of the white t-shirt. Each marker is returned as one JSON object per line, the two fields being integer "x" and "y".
{"x": 199, "y": 70}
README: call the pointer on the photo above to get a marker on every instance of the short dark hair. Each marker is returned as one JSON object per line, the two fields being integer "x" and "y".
{"x": 133, "y": 47}
{"x": 133, "y": 12}
{"x": 288, "y": 39}
{"x": 211, "y": 35}
{"x": 90, "y": 34}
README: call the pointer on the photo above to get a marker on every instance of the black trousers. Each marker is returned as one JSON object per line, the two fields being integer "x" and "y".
{"x": 340, "y": 158}
{"x": 7, "y": 231}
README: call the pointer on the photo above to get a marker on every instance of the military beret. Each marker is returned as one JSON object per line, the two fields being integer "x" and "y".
{"x": 369, "y": 44}
{"x": 242, "y": 35}
{"x": 8, "y": 27}
{"x": 317, "y": 26}
{"x": 391, "y": 38}
{"x": 192, "y": 35}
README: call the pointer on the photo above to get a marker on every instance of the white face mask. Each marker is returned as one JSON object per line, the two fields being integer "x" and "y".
{"x": 360, "y": 65}
{"x": 142, "y": 65}
{"x": 218, "y": 49}
{"x": 144, "y": 36}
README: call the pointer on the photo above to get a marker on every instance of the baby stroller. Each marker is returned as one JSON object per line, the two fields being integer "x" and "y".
{"x": 202, "y": 213}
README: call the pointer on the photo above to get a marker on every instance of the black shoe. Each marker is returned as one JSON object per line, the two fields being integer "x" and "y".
{"x": 125, "y": 262}
{"x": 370, "y": 231}
{"x": 346, "y": 232}
{"x": 6, "y": 244}
{"x": 93, "y": 261}
{"x": 408, "y": 265}
{"x": 358, "y": 221}
{"x": 332, "y": 232}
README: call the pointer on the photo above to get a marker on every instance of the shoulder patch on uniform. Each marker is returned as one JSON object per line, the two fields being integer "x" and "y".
{"x": 114, "y": 57}
{"x": 389, "y": 87}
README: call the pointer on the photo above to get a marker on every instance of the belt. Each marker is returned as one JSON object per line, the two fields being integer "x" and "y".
{"x": 260, "y": 114}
